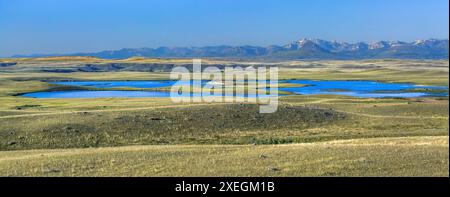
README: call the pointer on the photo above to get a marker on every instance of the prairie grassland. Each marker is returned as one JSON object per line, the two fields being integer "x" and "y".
{"x": 407, "y": 156}
{"x": 322, "y": 135}
{"x": 157, "y": 121}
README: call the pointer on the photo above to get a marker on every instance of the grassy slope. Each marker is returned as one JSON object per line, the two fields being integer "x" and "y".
{"x": 82, "y": 123}
{"x": 363, "y": 157}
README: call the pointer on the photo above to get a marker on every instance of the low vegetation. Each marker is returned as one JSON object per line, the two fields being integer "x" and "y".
{"x": 410, "y": 156}
{"x": 314, "y": 135}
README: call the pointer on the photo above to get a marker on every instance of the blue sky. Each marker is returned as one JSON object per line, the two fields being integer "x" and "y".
{"x": 65, "y": 26}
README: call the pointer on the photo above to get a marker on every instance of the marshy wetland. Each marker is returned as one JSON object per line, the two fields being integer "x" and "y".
{"x": 325, "y": 133}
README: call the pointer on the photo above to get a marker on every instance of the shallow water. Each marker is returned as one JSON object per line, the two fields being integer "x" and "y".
{"x": 363, "y": 89}
{"x": 115, "y": 94}
{"x": 98, "y": 94}
{"x": 115, "y": 84}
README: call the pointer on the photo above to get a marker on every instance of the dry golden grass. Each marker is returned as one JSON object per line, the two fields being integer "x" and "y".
{"x": 410, "y": 156}
{"x": 389, "y": 137}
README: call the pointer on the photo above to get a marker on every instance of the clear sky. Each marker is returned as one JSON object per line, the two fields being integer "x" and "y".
{"x": 66, "y": 26}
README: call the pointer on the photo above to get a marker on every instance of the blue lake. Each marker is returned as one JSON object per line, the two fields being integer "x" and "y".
{"x": 97, "y": 94}
{"x": 363, "y": 89}
{"x": 115, "y": 84}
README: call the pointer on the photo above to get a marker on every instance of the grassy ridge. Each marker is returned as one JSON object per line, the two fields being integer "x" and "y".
{"x": 223, "y": 123}
{"x": 157, "y": 121}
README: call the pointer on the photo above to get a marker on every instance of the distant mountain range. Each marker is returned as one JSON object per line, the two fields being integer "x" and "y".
{"x": 301, "y": 49}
